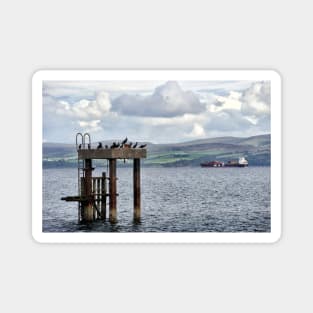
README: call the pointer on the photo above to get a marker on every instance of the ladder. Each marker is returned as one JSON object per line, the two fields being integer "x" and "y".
{"x": 82, "y": 144}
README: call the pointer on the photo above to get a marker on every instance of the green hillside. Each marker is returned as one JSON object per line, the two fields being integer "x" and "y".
{"x": 256, "y": 149}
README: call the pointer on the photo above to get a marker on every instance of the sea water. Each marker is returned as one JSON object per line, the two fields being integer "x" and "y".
{"x": 174, "y": 199}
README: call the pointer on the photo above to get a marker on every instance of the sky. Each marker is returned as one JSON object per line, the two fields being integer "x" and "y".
{"x": 155, "y": 111}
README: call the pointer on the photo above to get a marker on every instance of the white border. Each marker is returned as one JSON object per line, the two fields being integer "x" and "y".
{"x": 42, "y": 75}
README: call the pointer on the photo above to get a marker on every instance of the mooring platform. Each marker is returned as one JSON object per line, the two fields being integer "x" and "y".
{"x": 117, "y": 153}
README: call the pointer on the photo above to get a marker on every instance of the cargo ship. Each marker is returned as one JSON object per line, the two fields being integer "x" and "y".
{"x": 212, "y": 164}
{"x": 240, "y": 162}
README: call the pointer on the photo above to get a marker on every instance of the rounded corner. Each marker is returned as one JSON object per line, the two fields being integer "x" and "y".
{"x": 36, "y": 237}
{"x": 276, "y": 74}
{"x": 276, "y": 237}
{"x": 37, "y": 75}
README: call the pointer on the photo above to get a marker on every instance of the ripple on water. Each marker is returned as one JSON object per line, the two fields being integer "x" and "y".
{"x": 187, "y": 199}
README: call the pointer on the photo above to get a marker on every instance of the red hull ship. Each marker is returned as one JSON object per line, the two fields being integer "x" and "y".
{"x": 212, "y": 164}
{"x": 240, "y": 162}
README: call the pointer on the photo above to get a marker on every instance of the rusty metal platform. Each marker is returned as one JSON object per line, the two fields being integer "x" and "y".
{"x": 118, "y": 153}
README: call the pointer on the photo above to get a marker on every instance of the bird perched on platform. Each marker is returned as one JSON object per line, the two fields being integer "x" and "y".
{"x": 80, "y": 146}
{"x": 99, "y": 146}
{"x": 89, "y": 146}
{"x": 124, "y": 141}
{"x": 135, "y": 145}
{"x": 115, "y": 145}
{"x": 106, "y": 146}
{"x": 142, "y": 146}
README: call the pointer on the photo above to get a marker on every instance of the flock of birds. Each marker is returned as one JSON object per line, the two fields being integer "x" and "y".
{"x": 115, "y": 145}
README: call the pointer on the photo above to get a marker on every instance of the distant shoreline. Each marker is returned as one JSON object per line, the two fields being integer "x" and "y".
{"x": 53, "y": 166}
{"x": 256, "y": 149}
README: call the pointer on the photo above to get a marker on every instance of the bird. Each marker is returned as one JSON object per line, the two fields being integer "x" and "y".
{"x": 124, "y": 141}
{"x": 106, "y": 146}
{"x": 115, "y": 145}
{"x": 89, "y": 146}
{"x": 142, "y": 146}
{"x": 135, "y": 145}
{"x": 99, "y": 146}
{"x": 80, "y": 146}
{"x": 130, "y": 144}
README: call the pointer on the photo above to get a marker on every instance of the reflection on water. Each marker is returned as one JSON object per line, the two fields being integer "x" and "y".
{"x": 187, "y": 199}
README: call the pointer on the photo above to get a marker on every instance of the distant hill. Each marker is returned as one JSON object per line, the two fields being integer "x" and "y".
{"x": 256, "y": 149}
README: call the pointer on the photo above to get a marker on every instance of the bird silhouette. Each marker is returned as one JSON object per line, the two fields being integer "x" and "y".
{"x": 115, "y": 145}
{"x": 135, "y": 145}
{"x": 99, "y": 145}
{"x": 89, "y": 146}
{"x": 106, "y": 146}
{"x": 80, "y": 146}
{"x": 130, "y": 144}
{"x": 142, "y": 146}
{"x": 124, "y": 141}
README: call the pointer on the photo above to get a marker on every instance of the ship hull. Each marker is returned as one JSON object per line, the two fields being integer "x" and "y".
{"x": 236, "y": 165}
{"x": 241, "y": 162}
{"x": 212, "y": 164}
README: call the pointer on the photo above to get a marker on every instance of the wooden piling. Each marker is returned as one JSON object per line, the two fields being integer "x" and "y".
{"x": 98, "y": 195}
{"x": 136, "y": 185}
{"x": 103, "y": 196}
{"x": 88, "y": 209}
{"x": 112, "y": 190}
{"x": 82, "y": 194}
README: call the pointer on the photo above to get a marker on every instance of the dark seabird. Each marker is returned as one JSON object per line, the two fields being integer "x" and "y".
{"x": 89, "y": 146}
{"x": 124, "y": 141}
{"x": 115, "y": 145}
{"x": 80, "y": 146}
{"x": 106, "y": 146}
{"x": 99, "y": 145}
{"x": 135, "y": 145}
{"x": 142, "y": 146}
{"x": 130, "y": 144}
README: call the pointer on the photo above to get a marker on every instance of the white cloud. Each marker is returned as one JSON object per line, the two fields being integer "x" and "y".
{"x": 256, "y": 100}
{"x": 90, "y": 126}
{"x": 86, "y": 89}
{"x": 85, "y": 109}
{"x": 197, "y": 131}
{"x": 230, "y": 102}
{"x": 164, "y": 114}
{"x": 168, "y": 100}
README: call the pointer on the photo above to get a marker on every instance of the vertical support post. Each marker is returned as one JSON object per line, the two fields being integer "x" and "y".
{"x": 98, "y": 195}
{"x": 103, "y": 196}
{"x": 82, "y": 194}
{"x": 112, "y": 190}
{"x": 136, "y": 183}
{"x": 88, "y": 208}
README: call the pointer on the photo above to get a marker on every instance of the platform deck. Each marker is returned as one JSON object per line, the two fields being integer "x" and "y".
{"x": 118, "y": 153}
